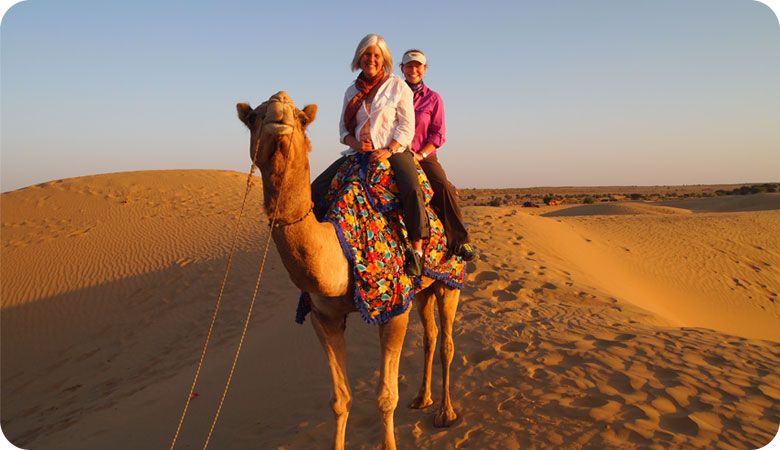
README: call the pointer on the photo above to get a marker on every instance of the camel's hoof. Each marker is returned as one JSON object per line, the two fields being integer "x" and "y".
{"x": 420, "y": 402}
{"x": 445, "y": 419}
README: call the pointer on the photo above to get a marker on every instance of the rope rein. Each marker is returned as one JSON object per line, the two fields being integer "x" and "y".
{"x": 221, "y": 291}
{"x": 287, "y": 224}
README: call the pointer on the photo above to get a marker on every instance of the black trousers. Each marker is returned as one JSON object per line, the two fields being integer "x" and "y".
{"x": 445, "y": 202}
{"x": 320, "y": 185}
{"x": 412, "y": 200}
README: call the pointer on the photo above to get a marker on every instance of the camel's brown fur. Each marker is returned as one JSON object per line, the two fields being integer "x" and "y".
{"x": 312, "y": 255}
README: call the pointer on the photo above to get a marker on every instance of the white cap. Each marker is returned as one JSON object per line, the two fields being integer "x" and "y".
{"x": 414, "y": 56}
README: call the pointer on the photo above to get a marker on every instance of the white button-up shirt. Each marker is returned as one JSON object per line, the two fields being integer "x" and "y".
{"x": 392, "y": 114}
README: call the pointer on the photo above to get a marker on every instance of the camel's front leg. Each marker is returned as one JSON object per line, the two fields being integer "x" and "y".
{"x": 448, "y": 306}
{"x": 330, "y": 330}
{"x": 425, "y": 308}
{"x": 391, "y": 339}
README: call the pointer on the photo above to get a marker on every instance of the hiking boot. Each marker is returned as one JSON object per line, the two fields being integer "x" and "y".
{"x": 466, "y": 251}
{"x": 412, "y": 264}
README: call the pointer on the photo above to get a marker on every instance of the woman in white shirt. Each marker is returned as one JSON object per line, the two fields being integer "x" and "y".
{"x": 378, "y": 120}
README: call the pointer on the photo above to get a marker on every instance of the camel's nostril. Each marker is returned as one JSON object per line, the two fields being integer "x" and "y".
{"x": 275, "y": 112}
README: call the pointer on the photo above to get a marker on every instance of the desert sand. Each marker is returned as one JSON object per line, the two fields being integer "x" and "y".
{"x": 620, "y": 325}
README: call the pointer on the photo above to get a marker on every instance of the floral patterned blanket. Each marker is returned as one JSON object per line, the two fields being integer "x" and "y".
{"x": 365, "y": 210}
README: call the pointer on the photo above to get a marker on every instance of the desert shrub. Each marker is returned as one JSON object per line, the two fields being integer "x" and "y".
{"x": 550, "y": 197}
{"x": 588, "y": 200}
{"x": 745, "y": 190}
{"x": 496, "y": 201}
{"x": 749, "y": 189}
{"x": 637, "y": 196}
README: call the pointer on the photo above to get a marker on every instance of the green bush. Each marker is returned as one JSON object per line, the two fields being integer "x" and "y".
{"x": 496, "y": 201}
{"x": 550, "y": 197}
{"x": 589, "y": 200}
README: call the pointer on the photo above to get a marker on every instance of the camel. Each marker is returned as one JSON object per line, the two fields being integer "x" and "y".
{"x": 311, "y": 253}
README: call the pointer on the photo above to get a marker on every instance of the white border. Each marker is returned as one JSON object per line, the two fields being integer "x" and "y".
{"x": 774, "y": 5}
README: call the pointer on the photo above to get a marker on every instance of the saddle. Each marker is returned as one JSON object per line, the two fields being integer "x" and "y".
{"x": 363, "y": 205}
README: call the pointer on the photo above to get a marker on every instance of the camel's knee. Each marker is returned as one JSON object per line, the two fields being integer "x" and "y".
{"x": 387, "y": 401}
{"x": 341, "y": 404}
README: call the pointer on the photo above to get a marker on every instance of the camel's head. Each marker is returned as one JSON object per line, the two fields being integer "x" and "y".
{"x": 276, "y": 125}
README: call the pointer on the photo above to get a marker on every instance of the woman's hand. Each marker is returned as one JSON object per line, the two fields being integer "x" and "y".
{"x": 358, "y": 146}
{"x": 366, "y": 147}
{"x": 381, "y": 153}
{"x": 418, "y": 157}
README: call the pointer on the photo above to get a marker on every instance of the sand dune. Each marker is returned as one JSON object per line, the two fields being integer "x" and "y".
{"x": 615, "y": 208}
{"x": 620, "y": 325}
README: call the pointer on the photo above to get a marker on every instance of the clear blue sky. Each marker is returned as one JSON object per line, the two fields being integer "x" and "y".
{"x": 541, "y": 93}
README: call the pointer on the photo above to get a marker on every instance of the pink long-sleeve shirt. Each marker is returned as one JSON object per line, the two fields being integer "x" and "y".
{"x": 429, "y": 119}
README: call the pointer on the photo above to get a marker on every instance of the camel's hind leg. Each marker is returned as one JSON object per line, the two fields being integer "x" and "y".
{"x": 448, "y": 306}
{"x": 425, "y": 308}
{"x": 330, "y": 330}
{"x": 391, "y": 339}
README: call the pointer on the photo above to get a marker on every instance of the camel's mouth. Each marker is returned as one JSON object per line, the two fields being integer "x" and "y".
{"x": 278, "y": 129}
{"x": 279, "y": 116}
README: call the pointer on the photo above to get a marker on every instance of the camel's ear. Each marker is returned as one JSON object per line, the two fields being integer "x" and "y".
{"x": 243, "y": 113}
{"x": 311, "y": 114}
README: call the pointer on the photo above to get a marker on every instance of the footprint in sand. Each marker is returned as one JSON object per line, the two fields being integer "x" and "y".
{"x": 548, "y": 286}
{"x": 470, "y": 317}
{"x": 486, "y": 275}
{"x": 517, "y": 328}
{"x": 503, "y": 295}
{"x": 621, "y": 383}
{"x": 80, "y": 232}
{"x": 515, "y": 286}
{"x": 679, "y": 423}
{"x": 482, "y": 355}
{"x": 514, "y": 347}
{"x": 590, "y": 401}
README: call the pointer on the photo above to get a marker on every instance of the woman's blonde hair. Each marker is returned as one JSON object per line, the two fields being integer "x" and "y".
{"x": 368, "y": 41}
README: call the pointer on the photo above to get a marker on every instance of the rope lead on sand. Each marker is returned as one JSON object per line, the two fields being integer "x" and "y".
{"x": 219, "y": 301}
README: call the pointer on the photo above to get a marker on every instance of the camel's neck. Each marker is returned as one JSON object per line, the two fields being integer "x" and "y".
{"x": 286, "y": 188}
{"x": 309, "y": 249}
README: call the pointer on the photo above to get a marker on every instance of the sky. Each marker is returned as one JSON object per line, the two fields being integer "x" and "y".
{"x": 536, "y": 93}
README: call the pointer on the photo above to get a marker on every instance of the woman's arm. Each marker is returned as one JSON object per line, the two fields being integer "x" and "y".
{"x": 404, "y": 129}
{"x": 425, "y": 152}
{"x": 436, "y": 129}
{"x": 343, "y": 132}
{"x": 403, "y": 133}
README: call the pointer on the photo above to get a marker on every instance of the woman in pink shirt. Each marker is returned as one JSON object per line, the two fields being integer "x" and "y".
{"x": 429, "y": 135}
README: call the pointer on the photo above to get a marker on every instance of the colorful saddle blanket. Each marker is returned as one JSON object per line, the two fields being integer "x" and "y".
{"x": 366, "y": 212}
